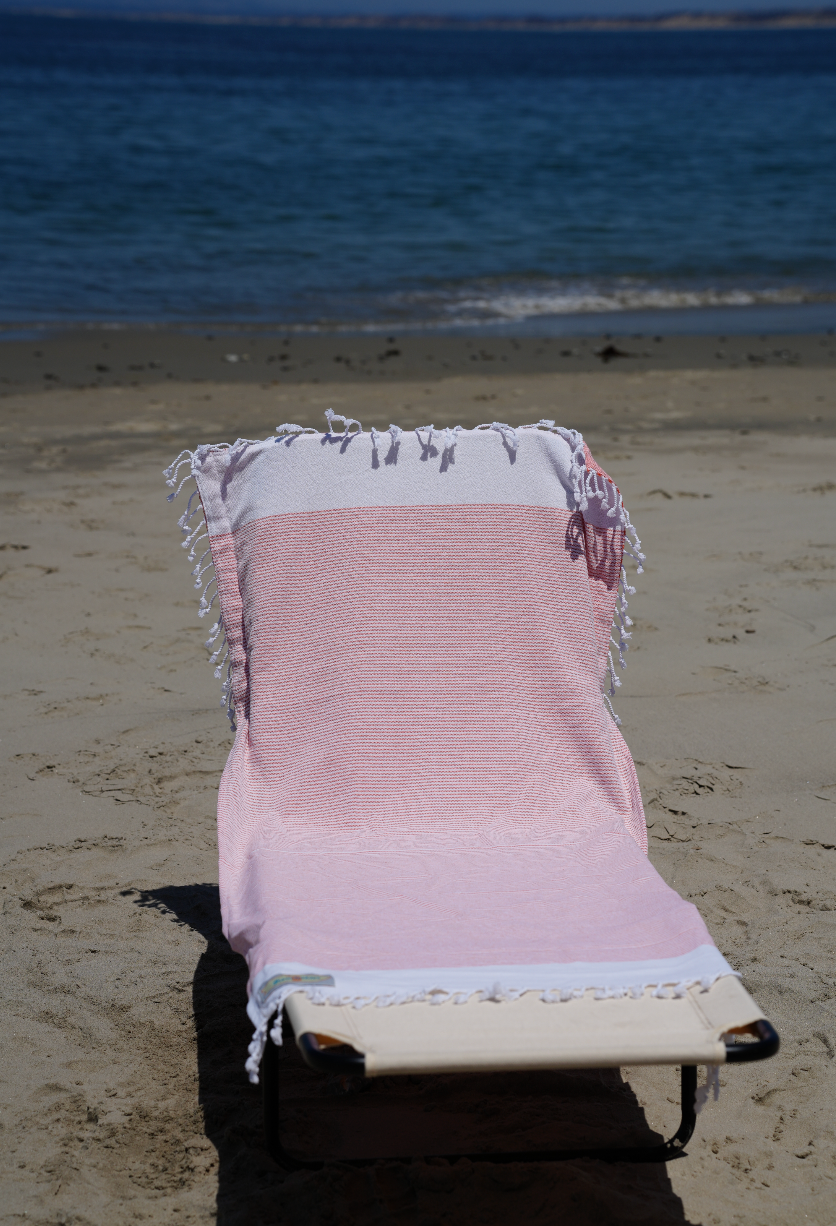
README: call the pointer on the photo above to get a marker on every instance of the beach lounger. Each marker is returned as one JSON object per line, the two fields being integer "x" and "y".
{"x": 433, "y": 852}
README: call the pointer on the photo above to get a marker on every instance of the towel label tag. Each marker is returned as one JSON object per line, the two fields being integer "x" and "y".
{"x": 284, "y": 981}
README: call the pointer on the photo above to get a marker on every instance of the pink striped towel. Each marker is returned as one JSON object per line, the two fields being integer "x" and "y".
{"x": 428, "y": 796}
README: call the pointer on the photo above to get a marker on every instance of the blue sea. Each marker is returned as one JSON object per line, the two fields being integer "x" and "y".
{"x": 368, "y": 178}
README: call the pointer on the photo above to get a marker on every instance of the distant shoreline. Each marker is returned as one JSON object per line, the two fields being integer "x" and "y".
{"x": 697, "y": 323}
{"x": 774, "y": 19}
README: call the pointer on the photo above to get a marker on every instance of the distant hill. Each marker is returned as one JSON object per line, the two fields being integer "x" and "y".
{"x": 263, "y": 12}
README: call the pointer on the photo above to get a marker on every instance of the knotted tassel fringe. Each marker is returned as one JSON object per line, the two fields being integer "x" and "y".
{"x": 394, "y": 433}
{"x": 712, "y": 1086}
{"x": 193, "y": 536}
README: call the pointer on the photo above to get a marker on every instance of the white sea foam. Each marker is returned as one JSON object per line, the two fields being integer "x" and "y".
{"x": 495, "y": 301}
{"x": 523, "y": 306}
{"x": 507, "y": 303}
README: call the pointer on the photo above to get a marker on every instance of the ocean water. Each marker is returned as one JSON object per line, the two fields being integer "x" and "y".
{"x": 167, "y": 171}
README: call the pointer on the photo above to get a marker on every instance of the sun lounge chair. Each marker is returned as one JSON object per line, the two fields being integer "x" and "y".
{"x": 432, "y": 842}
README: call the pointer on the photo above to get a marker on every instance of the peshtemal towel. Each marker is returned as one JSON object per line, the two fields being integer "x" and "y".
{"x": 428, "y": 796}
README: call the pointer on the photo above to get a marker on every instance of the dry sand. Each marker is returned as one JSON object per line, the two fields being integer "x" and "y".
{"x": 123, "y": 1094}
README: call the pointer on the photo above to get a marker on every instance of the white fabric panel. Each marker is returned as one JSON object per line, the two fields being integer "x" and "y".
{"x": 704, "y": 962}
{"x": 317, "y": 472}
{"x": 274, "y": 984}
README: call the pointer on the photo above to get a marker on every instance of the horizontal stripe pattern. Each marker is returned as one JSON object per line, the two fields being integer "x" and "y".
{"x": 440, "y": 654}
{"x": 425, "y": 773}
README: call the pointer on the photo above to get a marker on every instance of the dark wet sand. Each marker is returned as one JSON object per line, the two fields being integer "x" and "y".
{"x": 137, "y": 357}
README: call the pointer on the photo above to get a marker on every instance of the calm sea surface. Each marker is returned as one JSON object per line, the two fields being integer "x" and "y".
{"x": 172, "y": 172}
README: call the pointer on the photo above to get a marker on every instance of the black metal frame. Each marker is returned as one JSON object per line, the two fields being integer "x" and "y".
{"x": 345, "y": 1061}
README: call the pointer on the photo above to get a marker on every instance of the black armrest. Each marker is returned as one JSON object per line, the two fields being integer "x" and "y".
{"x": 766, "y": 1044}
{"x": 339, "y": 1058}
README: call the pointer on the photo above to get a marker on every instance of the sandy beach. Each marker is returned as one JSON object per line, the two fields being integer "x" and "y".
{"x": 123, "y": 1091}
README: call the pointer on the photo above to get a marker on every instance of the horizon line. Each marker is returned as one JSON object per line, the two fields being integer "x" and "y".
{"x": 674, "y": 19}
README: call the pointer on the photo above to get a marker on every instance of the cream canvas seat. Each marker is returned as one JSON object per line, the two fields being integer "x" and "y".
{"x": 433, "y": 853}
{"x": 521, "y": 1034}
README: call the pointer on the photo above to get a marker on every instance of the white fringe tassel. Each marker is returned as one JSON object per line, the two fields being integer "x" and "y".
{"x": 590, "y": 486}
{"x": 394, "y": 433}
{"x": 193, "y": 537}
{"x": 348, "y": 422}
{"x": 712, "y": 1086}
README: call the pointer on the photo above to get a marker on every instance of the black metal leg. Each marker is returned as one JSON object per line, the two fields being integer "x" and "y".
{"x": 270, "y": 1101}
{"x": 688, "y": 1122}
{"x": 272, "y": 1131}
{"x": 663, "y": 1152}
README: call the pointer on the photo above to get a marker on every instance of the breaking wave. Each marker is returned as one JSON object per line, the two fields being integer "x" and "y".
{"x": 492, "y": 302}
